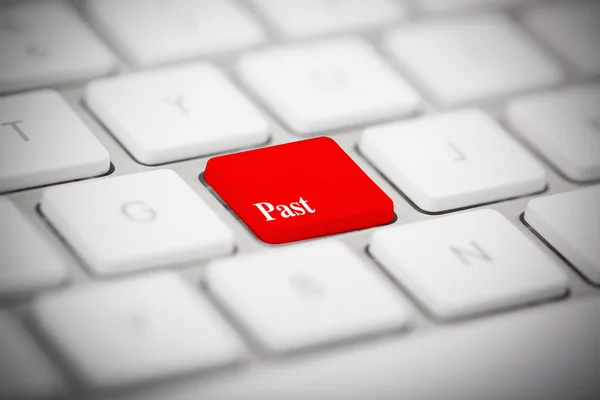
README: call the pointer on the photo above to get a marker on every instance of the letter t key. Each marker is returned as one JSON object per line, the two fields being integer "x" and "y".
{"x": 18, "y": 129}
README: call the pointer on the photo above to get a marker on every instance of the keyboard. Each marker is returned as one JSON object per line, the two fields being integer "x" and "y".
{"x": 318, "y": 199}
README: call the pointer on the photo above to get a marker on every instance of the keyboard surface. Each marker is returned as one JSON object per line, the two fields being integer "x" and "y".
{"x": 133, "y": 268}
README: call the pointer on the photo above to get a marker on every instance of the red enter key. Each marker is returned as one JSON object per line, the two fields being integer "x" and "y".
{"x": 298, "y": 190}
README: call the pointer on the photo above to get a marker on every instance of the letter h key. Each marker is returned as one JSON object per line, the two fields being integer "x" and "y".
{"x": 283, "y": 198}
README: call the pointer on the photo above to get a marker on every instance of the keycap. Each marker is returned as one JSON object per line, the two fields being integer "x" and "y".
{"x": 451, "y": 5}
{"x": 571, "y": 29}
{"x": 27, "y": 260}
{"x": 564, "y": 127}
{"x": 570, "y": 222}
{"x": 305, "y": 295}
{"x": 139, "y": 221}
{"x": 466, "y": 264}
{"x": 550, "y": 353}
{"x": 25, "y": 372}
{"x": 283, "y": 196}
{"x": 317, "y": 17}
{"x": 464, "y": 59}
{"x": 176, "y": 113}
{"x": 327, "y": 85}
{"x": 143, "y": 328}
{"x": 452, "y": 160}
{"x": 151, "y": 32}
{"x": 43, "y": 141}
{"x": 45, "y": 43}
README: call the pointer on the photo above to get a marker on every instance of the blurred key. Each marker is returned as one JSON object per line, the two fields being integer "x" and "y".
{"x": 124, "y": 332}
{"x": 564, "y": 126}
{"x": 316, "y": 17}
{"x": 43, "y": 141}
{"x": 327, "y": 85}
{"x": 570, "y": 222}
{"x": 468, "y": 263}
{"x": 550, "y": 352}
{"x": 177, "y": 113}
{"x": 306, "y": 295}
{"x": 572, "y": 29}
{"x": 139, "y": 221}
{"x": 150, "y": 32}
{"x": 27, "y": 260}
{"x": 468, "y": 58}
{"x": 452, "y": 160}
{"x": 44, "y": 43}
{"x": 450, "y": 5}
{"x": 25, "y": 372}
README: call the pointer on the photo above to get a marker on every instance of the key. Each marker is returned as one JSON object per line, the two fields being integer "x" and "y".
{"x": 450, "y": 5}
{"x": 177, "y": 113}
{"x": 137, "y": 221}
{"x": 25, "y": 372}
{"x": 564, "y": 126}
{"x": 328, "y": 85}
{"x": 452, "y": 160}
{"x": 570, "y": 222}
{"x": 143, "y": 328}
{"x": 294, "y": 297}
{"x": 317, "y": 17}
{"x": 44, "y": 43}
{"x": 283, "y": 198}
{"x": 469, "y": 58}
{"x": 42, "y": 141}
{"x": 158, "y": 31}
{"x": 571, "y": 29}
{"x": 466, "y": 264}
{"x": 528, "y": 354}
{"x": 27, "y": 261}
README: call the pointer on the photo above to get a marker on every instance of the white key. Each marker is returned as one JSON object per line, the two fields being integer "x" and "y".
{"x": 317, "y": 17}
{"x": 27, "y": 261}
{"x": 468, "y": 58}
{"x": 25, "y": 372}
{"x": 327, "y": 85}
{"x": 305, "y": 295}
{"x": 469, "y": 263}
{"x": 452, "y": 160}
{"x": 150, "y": 32}
{"x": 137, "y": 221}
{"x": 177, "y": 113}
{"x": 564, "y": 126}
{"x": 142, "y": 328}
{"x": 45, "y": 42}
{"x": 43, "y": 141}
{"x": 572, "y": 29}
{"x": 448, "y": 5}
{"x": 550, "y": 353}
{"x": 570, "y": 222}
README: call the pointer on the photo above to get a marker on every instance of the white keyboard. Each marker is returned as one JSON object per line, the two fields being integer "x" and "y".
{"x": 125, "y": 276}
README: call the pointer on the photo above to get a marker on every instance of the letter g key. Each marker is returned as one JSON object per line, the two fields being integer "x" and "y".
{"x": 138, "y": 211}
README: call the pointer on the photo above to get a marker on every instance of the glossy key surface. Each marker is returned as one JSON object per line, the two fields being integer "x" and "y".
{"x": 298, "y": 191}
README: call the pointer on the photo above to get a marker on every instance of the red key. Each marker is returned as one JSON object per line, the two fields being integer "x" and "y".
{"x": 298, "y": 191}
